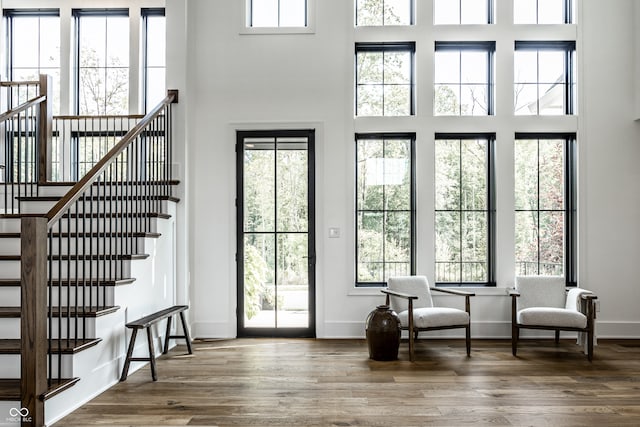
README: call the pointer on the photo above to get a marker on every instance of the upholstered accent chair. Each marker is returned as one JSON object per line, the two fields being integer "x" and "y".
{"x": 543, "y": 302}
{"x": 410, "y": 298}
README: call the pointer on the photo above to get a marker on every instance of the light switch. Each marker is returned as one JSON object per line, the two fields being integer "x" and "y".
{"x": 334, "y": 232}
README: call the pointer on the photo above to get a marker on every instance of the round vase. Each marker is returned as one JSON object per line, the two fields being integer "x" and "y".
{"x": 383, "y": 333}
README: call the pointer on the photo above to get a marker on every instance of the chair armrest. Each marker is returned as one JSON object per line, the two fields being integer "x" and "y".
{"x": 453, "y": 291}
{"x": 398, "y": 294}
{"x": 588, "y": 296}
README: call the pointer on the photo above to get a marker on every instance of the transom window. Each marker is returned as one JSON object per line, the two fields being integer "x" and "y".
{"x": 102, "y": 38}
{"x": 384, "y": 12}
{"x": 277, "y": 13}
{"x": 385, "y": 79}
{"x": 543, "y": 11}
{"x": 463, "y": 78}
{"x": 464, "y": 209}
{"x": 385, "y": 207}
{"x": 545, "y": 205}
{"x": 453, "y": 12}
{"x": 544, "y": 78}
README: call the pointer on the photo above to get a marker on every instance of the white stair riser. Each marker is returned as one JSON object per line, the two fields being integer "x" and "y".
{"x": 10, "y": 328}
{"x": 67, "y": 269}
{"x": 41, "y": 206}
{"x": 67, "y": 295}
{"x": 113, "y": 245}
{"x": 10, "y": 366}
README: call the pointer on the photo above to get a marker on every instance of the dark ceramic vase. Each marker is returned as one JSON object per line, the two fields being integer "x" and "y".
{"x": 383, "y": 333}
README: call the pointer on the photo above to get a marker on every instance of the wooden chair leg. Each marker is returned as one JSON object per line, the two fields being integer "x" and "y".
{"x": 515, "y": 332}
{"x": 152, "y": 356}
{"x": 468, "y": 328}
{"x": 590, "y": 345}
{"x": 411, "y": 345}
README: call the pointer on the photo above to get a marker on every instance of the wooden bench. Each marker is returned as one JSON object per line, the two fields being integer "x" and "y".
{"x": 146, "y": 323}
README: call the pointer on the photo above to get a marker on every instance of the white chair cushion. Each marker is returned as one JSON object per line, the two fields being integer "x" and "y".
{"x": 432, "y": 317}
{"x": 412, "y": 285}
{"x": 541, "y": 291}
{"x": 552, "y": 316}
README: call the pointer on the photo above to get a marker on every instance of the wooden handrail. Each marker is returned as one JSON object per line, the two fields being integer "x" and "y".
{"x": 107, "y": 117}
{"x": 19, "y": 83}
{"x": 20, "y": 108}
{"x": 76, "y": 191}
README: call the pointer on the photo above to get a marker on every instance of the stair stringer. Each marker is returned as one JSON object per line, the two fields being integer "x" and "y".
{"x": 99, "y": 367}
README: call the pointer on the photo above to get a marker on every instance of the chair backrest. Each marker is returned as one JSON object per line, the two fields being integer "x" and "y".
{"x": 541, "y": 291}
{"x": 413, "y": 285}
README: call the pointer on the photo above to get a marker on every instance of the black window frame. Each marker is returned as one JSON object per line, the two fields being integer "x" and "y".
{"x": 490, "y": 137}
{"x": 473, "y": 46}
{"x": 412, "y": 16}
{"x": 409, "y": 47}
{"x": 77, "y": 14}
{"x": 145, "y": 13}
{"x": 570, "y": 198}
{"x": 570, "y": 64}
{"x": 411, "y": 136}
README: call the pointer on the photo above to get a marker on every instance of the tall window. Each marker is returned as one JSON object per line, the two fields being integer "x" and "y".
{"x": 154, "y": 36}
{"x": 384, "y": 12}
{"x": 454, "y": 12}
{"x": 544, "y": 78}
{"x": 543, "y": 11}
{"x": 545, "y": 205}
{"x": 102, "y": 62}
{"x": 385, "y": 207}
{"x": 464, "y": 78}
{"x": 34, "y": 48}
{"x": 385, "y": 79}
{"x": 277, "y": 13}
{"x": 464, "y": 209}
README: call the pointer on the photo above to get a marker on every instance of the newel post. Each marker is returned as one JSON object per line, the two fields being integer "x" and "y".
{"x": 45, "y": 129}
{"x": 33, "y": 320}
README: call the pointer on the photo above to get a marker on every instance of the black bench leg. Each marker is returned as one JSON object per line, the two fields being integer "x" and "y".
{"x": 127, "y": 361}
{"x": 185, "y": 328}
{"x": 152, "y": 356}
{"x": 167, "y": 336}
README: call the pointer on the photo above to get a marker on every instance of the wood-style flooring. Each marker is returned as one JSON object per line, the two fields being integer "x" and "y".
{"x": 306, "y": 382}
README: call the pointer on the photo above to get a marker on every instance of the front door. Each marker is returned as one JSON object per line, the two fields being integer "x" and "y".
{"x": 276, "y": 240}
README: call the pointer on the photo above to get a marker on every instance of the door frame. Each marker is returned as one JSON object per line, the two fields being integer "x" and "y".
{"x": 310, "y": 330}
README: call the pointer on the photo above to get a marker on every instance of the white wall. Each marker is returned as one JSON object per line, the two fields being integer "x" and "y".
{"x": 232, "y": 81}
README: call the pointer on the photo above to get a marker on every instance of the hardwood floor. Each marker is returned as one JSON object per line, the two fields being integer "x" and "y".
{"x": 306, "y": 382}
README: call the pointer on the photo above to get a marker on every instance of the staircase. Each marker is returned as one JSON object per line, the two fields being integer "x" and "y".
{"x": 77, "y": 261}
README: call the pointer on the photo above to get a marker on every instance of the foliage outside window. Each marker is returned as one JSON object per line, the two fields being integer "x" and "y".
{"x": 464, "y": 209}
{"x": 543, "y": 11}
{"x": 34, "y": 49}
{"x": 154, "y": 27}
{"x": 463, "y": 83}
{"x": 385, "y": 79}
{"x": 384, "y": 207}
{"x": 103, "y": 61}
{"x": 384, "y": 12}
{"x": 544, "y": 205}
{"x": 544, "y": 78}
{"x": 277, "y": 13}
{"x": 453, "y": 12}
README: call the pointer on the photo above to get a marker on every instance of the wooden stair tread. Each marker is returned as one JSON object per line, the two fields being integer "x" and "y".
{"x": 73, "y": 346}
{"x": 14, "y": 312}
{"x": 10, "y": 388}
{"x": 72, "y": 282}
